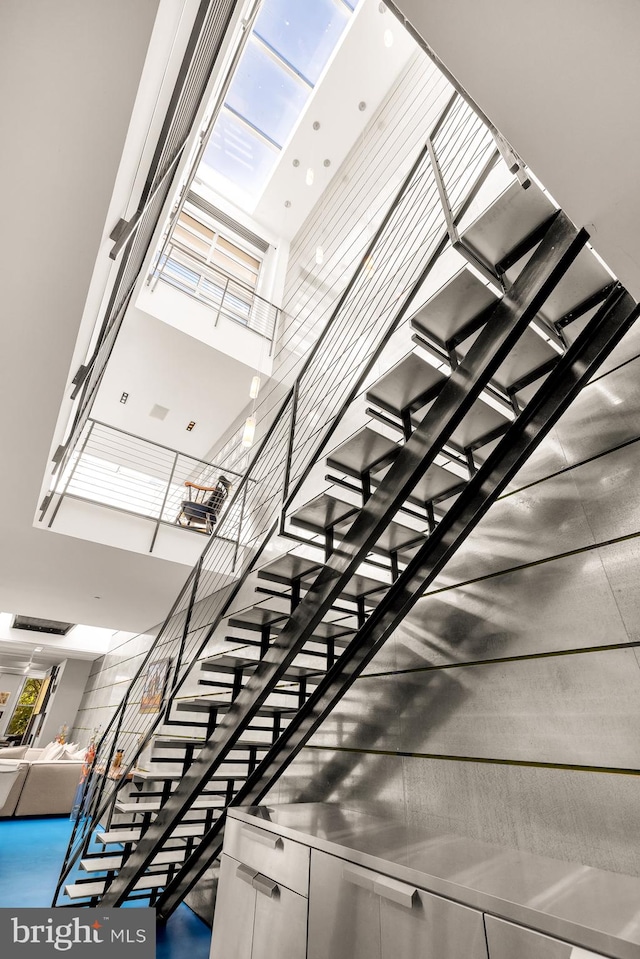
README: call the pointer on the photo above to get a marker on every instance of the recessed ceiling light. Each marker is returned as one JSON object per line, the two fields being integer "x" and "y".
{"x": 388, "y": 38}
{"x": 309, "y": 177}
{"x": 296, "y": 162}
{"x": 362, "y": 106}
{"x": 287, "y": 203}
{"x": 316, "y": 124}
{"x": 192, "y": 423}
{"x": 327, "y": 163}
{"x": 37, "y": 649}
{"x": 124, "y": 397}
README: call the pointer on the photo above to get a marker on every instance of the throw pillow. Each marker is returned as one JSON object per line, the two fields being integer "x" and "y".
{"x": 51, "y": 752}
{"x": 76, "y": 754}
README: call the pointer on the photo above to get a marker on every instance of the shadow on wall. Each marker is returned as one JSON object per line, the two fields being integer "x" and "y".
{"x": 360, "y": 751}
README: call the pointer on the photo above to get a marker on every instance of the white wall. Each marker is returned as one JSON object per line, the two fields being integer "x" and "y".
{"x": 560, "y": 81}
{"x": 64, "y": 702}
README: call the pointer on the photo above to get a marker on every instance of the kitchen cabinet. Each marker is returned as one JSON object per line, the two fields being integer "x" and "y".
{"x": 356, "y": 913}
{"x": 322, "y": 881}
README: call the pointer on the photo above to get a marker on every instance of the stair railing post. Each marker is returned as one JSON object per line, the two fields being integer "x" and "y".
{"x": 224, "y": 293}
{"x": 287, "y": 465}
{"x": 164, "y": 501}
{"x": 183, "y": 639}
{"x": 71, "y": 474}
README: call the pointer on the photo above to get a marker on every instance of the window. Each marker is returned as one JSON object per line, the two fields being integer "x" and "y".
{"x": 24, "y": 708}
{"x": 210, "y": 247}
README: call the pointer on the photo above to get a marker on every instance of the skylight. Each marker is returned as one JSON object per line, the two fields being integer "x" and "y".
{"x": 289, "y": 47}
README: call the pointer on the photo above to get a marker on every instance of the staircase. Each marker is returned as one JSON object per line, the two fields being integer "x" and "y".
{"x": 473, "y": 372}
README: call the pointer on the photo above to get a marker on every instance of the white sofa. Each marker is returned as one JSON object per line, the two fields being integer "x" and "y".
{"x": 39, "y": 787}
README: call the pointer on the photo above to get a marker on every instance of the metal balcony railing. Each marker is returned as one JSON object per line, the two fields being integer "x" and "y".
{"x": 133, "y": 475}
{"x": 226, "y": 296}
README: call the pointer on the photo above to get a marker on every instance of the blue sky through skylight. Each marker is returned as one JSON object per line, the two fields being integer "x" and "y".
{"x": 267, "y": 95}
{"x": 290, "y": 45}
{"x": 304, "y": 33}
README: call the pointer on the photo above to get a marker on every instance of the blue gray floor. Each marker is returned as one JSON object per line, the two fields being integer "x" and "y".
{"x": 31, "y": 851}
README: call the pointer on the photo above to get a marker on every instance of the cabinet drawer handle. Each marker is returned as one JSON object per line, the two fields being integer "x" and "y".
{"x": 266, "y": 838}
{"x": 246, "y": 874}
{"x": 266, "y": 886}
{"x": 357, "y": 878}
{"x": 395, "y": 891}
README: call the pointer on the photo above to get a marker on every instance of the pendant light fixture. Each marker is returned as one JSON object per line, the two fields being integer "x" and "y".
{"x": 249, "y": 432}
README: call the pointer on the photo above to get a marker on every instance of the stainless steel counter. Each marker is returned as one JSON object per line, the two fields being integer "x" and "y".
{"x": 591, "y": 908}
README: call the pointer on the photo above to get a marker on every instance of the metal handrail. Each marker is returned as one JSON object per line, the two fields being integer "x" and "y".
{"x": 154, "y": 486}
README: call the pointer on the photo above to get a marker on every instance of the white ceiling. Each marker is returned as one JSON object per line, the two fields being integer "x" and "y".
{"x": 560, "y": 80}
{"x": 157, "y": 364}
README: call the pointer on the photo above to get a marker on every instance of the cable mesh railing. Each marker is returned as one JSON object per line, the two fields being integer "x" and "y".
{"x": 250, "y": 518}
{"x": 393, "y": 267}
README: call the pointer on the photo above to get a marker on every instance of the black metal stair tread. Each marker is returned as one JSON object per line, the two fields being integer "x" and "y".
{"x": 435, "y": 484}
{"x": 255, "y": 617}
{"x": 200, "y": 741}
{"x": 228, "y": 663}
{"x": 168, "y": 774}
{"x": 481, "y": 421}
{"x": 586, "y": 276}
{"x": 364, "y": 451}
{"x": 108, "y": 861}
{"x": 179, "y": 741}
{"x": 121, "y": 835}
{"x": 322, "y": 512}
{"x": 528, "y": 354}
{"x": 405, "y": 384}
{"x": 507, "y": 222}
{"x": 220, "y": 664}
{"x": 335, "y": 631}
{"x": 448, "y": 312}
{"x": 202, "y": 704}
{"x": 394, "y": 538}
{"x": 322, "y": 632}
{"x": 286, "y": 568}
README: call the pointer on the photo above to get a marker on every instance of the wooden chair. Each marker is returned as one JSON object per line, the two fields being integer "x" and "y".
{"x": 201, "y": 509}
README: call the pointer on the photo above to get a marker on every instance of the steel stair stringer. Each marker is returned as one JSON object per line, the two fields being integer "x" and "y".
{"x": 509, "y": 319}
{"x": 583, "y": 359}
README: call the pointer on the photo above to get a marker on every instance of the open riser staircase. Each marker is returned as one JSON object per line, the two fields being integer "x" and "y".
{"x": 347, "y": 522}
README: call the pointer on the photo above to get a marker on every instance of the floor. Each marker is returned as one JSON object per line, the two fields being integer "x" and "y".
{"x": 44, "y": 841}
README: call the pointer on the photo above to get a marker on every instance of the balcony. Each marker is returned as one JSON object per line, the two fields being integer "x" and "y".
{"x": 124, "y": 491}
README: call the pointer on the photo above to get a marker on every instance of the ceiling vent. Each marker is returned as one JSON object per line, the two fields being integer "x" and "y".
{"x": 41, "y": 625}
{"x": 158, "y": 412}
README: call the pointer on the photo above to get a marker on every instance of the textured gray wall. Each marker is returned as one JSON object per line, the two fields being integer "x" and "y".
{"x": 507, "y": 706}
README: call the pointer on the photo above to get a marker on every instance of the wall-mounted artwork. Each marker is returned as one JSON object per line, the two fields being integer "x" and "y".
{"x": 4, "y": 698}
{"x": 154, "y": 683}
